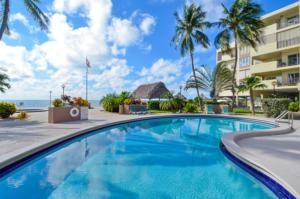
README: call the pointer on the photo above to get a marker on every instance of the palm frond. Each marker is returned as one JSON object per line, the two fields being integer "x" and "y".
{"x": 37, "y": 13}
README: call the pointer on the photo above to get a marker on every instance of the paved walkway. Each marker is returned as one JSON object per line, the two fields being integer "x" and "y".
{"x": 280, "y": 154}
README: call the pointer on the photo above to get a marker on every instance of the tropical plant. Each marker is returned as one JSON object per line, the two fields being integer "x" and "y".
{"x": 22, "y": 115}
{"x": 4, "y": 82}
{"x": 32, "y": 8}
{"x": 128, "y": 101}
{"x": 123, "y": 96}
{"x": 242, "y": 24}
{"x": 166, "y": 106}
{"x": 274, "y": 106}
{"x": 79, "y": 101}
{"x": 153, "y": 105}
{"x": 110, "y": 103}
{"x": 294, "y": 106}
{"x": 248, "y": 84}
{"x": 190, "y": 108}
{"x": 216, "y": 81}
{"x": 57, "y": 103}
{"x": 189, "y": 31}
{"x": 7, "y": 109}
{"x": 168, "y": 95}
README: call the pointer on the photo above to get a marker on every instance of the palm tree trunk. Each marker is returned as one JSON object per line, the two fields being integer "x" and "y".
{"x": 4, "y": 18}
{"x": 234, "y": 75}
{"x": 252, "y": 101}
{"x": 194, "y": 74}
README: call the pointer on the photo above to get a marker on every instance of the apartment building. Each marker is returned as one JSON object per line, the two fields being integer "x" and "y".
{"x": 276, "y": 60}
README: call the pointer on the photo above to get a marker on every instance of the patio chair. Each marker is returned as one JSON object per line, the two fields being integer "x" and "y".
{"x": 225, "y": 109}
{"x": 143, "y": 110}
{"x": 132, "y": 109}
{"x": 210, "y": 109}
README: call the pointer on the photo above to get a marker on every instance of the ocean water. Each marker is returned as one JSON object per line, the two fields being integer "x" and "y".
{"x": 28, "y": 104}
{"x": 157, "y": 158}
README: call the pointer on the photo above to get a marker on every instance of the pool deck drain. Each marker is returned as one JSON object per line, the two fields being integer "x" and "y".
{"x": 280, "y": 154}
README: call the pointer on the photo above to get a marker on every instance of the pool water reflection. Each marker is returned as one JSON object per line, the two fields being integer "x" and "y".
{"x": 157, "y": 158}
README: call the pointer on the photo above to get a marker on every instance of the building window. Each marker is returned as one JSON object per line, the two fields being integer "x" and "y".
{"x": 244, "y": 62}
{"x": 293, "y": 78}
{"x": 292, "y": 20}
{"x": 293, "y": 59}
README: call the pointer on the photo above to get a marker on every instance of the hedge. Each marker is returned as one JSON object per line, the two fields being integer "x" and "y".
{"x": 153, "y": 105}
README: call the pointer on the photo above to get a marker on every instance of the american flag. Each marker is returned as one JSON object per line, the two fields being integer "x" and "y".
{"x": 88, "y": 64}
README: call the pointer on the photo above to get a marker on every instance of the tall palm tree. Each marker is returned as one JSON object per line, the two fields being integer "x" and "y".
{"x": 242, "y": 24}
{"x": 216, "y": 81}
{"x": 4, "y": 82}
{"x": 189, "y": 31}
{"x": 248, "y": 84}
{"x": 32, "y": 8}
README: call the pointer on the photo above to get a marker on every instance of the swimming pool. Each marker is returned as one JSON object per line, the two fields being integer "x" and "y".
{"x": 176, "y": 157}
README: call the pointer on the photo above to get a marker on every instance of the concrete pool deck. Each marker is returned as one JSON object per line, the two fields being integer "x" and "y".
{"x": 278, "y": 153}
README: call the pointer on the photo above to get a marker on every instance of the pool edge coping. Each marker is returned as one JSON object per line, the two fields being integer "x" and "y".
{"x": 228, "y": 140}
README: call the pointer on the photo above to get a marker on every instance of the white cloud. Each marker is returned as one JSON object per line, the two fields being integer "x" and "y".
{"x": 20, "y": 18}
{"x": 14, "y": 35}
{"x": 147, "y": 24}
{"x": 123, "y": 33}
{"x": 162, "y": 70}
{"x": 61, "y": 58}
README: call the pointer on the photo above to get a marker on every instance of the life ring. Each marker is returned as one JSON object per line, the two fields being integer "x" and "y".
{"x": 74, "y": 112}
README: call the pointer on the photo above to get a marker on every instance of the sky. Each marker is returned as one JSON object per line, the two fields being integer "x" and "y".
{"x": 128, "y": 43}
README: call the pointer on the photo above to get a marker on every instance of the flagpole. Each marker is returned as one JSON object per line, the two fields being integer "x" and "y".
{"x": 86, "y": 84}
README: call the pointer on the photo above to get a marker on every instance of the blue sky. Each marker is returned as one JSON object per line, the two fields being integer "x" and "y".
{"x": 128, "y": 43}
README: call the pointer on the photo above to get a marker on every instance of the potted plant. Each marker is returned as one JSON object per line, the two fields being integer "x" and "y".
{"x": 68, "y": 109}
{"x": 83, "y": 105}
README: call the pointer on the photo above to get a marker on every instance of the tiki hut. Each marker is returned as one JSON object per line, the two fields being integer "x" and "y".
{"x": 150, "y": 91}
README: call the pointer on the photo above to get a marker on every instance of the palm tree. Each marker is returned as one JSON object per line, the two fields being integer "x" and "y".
{"x": 4, "y": 82}
{"x": 216, "y": 81}
{"x": 189, "y": 30}
{"x": 248, "y": 84}
{"x": 32, "y": 8}
{"x": 242, "y": 24}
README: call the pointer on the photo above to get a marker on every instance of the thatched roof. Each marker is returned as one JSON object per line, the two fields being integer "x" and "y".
{"x": 150, "y": 91}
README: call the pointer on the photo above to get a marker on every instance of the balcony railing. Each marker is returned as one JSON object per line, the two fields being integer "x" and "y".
{"x": 281, "y": 64}
{"x": 292, "y": 82}
{"x": 288, "y": 23}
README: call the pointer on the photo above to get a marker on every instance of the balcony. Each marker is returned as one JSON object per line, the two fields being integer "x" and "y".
{"x": 272, "y": 66}
{"x": 280, "y": 84}
{"x": 290, "y": 22}
{"x": 263, "y": 67}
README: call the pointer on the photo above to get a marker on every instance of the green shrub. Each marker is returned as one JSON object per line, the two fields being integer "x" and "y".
{"x": 178, "y": 103}
{"x": 274, "y": 106}
{"x": 110, "y": 103}
{"x": 122, "y": 97}
{"x": 190, "y": 108}
{"x": 166, "y": 106}
{"x": 153, "y": 105}
{"x": 128, "y": 101}
{"x": 7, "y": 109}
{"x": 294, "y": 106}
{"x": 241, "y": 110}
{"x": 57, "y": 103}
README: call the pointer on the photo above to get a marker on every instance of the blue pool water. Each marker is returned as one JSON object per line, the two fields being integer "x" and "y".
{"x": 157, "y": 158}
